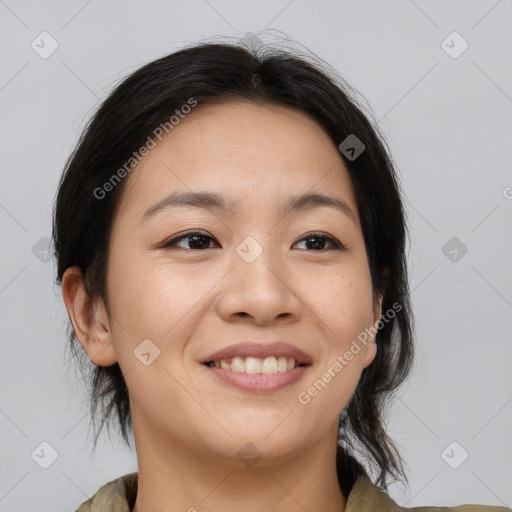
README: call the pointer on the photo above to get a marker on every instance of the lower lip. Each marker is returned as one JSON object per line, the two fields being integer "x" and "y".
{"x": 259, "y": 382}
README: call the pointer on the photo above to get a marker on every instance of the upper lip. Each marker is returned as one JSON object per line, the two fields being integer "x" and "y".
{"x": 260, "y": 350}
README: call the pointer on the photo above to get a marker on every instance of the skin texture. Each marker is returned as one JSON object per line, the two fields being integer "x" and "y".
{"x": 190, "y": 302}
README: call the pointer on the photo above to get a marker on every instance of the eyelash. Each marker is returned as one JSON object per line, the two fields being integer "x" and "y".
{"x": 170, "y": 243}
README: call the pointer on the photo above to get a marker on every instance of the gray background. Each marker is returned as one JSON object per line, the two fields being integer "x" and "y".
{"x": 448, "y": 124}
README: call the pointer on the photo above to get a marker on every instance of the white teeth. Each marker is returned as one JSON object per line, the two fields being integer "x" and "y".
{"x": 252, "y": 365}
{"x": 269, "y": 365}
{"x": 249, "y": 364}
{"x": 237, "y": 365}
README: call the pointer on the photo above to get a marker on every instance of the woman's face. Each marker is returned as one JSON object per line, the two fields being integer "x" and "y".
{"x": 253, "y": 274}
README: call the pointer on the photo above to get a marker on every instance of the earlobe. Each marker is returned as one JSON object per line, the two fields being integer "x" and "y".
{"x": 370, "y": 353}
{"x": 89, "y": 319}
{"x": 371, "y": 348}
{"x": 377, "y": 315}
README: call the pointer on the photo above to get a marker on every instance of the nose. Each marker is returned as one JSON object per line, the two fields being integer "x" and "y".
{"x": 261, "y": 292}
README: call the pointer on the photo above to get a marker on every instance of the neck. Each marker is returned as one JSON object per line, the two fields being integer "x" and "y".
{"x": 177, "y": 476}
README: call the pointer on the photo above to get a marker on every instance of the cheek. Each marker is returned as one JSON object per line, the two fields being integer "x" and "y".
{"x": 343, "y": 302}
{"x": 146, "y": 300}
{"x": 157, "y": 300}
{"x": 344, "y": 311}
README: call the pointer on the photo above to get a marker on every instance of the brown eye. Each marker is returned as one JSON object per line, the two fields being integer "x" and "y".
{"x": 318, "y": 241}
{"x": 196, "y": 240}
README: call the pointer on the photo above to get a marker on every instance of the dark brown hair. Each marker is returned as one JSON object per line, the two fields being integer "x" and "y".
{"x": 215, "y": 71}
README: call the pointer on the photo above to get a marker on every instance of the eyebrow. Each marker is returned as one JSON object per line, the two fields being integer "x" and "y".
{"x": 211, "y": 200}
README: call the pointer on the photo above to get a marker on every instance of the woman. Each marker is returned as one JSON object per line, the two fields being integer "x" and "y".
{"x": 230, "y": 239}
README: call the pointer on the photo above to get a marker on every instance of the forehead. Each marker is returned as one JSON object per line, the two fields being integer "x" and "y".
{"x": 254, "y": 153}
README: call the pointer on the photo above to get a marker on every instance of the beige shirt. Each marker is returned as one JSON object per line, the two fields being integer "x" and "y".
{"x": 119, "y": 496}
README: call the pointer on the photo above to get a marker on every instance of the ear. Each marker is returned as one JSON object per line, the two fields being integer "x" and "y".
{"x": 377, "y": 314}
{"x": 371, "y": 347}
{"x": 89, "y": 319}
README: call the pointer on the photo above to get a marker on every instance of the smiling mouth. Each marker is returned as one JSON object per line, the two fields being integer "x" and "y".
{"x": 268, "y": 365}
